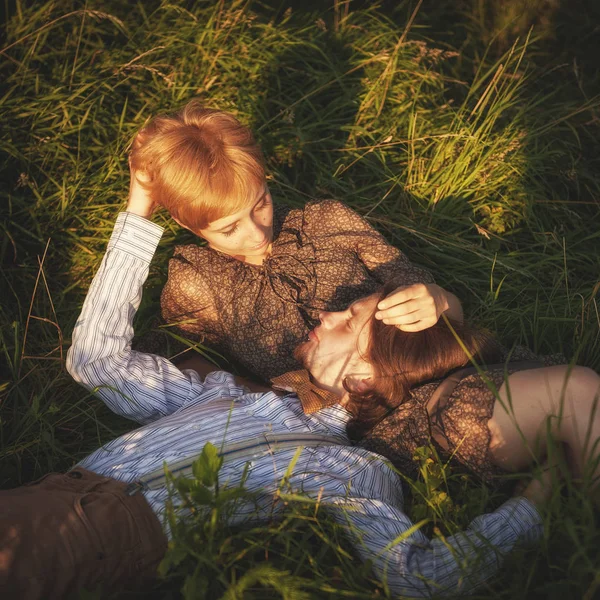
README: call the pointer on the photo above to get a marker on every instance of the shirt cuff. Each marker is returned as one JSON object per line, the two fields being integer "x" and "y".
{"x": 524, "y": 519}
{"x": 136, "y": 236}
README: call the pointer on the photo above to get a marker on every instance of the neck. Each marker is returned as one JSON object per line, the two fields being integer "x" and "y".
{"x": 251, "y": 260}
{"x": 341, "y": 395}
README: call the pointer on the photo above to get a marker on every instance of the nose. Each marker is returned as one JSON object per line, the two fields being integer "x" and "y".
{"x": 256, "y": 235}
{"x": 330, "y": 319}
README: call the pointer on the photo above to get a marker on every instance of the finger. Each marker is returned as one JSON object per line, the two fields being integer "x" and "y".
{"x": 425, "y": 304}
{"x": 403, "y": 320}
{"x": 398, "y": 310}
{"x": 412, "y": 327}
{"x": 398, "y": 296}
{"x": 419, "y": 325}
{"x": 414, "y": 317}
{"x": 401, "y": 294}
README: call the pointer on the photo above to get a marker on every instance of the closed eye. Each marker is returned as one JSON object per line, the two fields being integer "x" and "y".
{"x": 230, "y": 231}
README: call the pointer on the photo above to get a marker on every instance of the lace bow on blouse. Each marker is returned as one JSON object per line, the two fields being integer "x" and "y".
{"x": 287, "y": 274}
{"x": 324, "y": 256}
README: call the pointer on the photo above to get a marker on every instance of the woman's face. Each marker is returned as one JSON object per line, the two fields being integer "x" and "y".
{"x": 335, "y": 349}
{"x": 247, "y": 234}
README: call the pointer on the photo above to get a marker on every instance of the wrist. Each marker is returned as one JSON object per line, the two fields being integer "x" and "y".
{"x": 140, "y": 202}
{"x": 140, "y": 212}
{"x": 443, "y": 298}
{"x": 453, "y": 307}
{"x": 537, "y": 491}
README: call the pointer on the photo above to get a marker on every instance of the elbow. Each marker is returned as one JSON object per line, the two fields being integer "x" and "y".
{"x": 78, "y": 355}
{"x": 102, "y": 379}
{"x": 82, "y": 370}
{"x": 73, "y": 366}
{"x": 79, "y": 371}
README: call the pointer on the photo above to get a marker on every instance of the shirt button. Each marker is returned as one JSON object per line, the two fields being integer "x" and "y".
{"x": 75, "y": 474}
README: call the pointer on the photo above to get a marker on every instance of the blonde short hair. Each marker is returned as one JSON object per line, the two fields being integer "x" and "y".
{"x": 202, "y": 164}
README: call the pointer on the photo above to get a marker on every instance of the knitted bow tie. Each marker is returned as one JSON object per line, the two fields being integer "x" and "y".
{"x": 311, "y": 397}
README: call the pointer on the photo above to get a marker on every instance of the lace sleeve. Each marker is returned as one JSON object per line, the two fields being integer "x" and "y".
{"x": 187, "y": 301}
{"x": 384, "y": 261}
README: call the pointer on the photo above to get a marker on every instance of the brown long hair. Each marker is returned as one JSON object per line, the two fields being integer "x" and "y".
{"x": 401, "y": 360}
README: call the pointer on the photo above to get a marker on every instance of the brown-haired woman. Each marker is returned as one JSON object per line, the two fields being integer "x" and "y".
{"x": 491, "y": 419}
{"x": 255, "y": 290}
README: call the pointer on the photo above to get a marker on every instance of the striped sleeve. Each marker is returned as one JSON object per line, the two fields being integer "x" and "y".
{"x": 139, "y": 386}
{"x": 413, "y": 566}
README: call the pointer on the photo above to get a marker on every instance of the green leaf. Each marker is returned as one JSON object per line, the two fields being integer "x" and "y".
{"x": 184, "y": 485}
{"x": 202, "y": 495}
{"x": 194, "y": 587}
{"x": 175, "y": 555}
{"x": 206, "y": 467}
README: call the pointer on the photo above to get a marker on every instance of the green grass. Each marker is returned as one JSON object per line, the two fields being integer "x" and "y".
{"x": 469, "y": 141}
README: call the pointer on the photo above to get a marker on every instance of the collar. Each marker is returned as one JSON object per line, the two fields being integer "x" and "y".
{"x": 311, "y": 397}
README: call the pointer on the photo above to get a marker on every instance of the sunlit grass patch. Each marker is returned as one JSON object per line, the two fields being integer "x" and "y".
{"x": 476, "y": 153}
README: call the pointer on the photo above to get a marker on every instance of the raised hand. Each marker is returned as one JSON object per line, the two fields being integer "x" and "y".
{"x": 139, "y": 201}
{"x": 417, "y": 307}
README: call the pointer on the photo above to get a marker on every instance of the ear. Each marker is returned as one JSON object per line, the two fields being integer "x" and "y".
{"x": 358, "y": 385}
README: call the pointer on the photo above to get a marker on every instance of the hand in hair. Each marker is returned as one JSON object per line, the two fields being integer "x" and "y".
{"x": 139, "y": 201}
{"x": 418, "y": 307}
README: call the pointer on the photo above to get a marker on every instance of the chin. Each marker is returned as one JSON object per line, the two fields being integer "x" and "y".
{"x": 255, "y": 251}
{"x": 302, "y": 354}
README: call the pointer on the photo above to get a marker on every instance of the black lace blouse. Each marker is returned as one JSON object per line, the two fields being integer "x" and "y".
{"x": 323, "y": 257}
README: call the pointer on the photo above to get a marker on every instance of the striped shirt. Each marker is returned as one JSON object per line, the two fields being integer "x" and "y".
{"x": 180, "y": 412}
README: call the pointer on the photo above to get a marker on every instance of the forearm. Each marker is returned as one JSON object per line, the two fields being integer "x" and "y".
{"x": 139, "y": 386}
{"x": 413, "y": 566}
{"x": 467, "y": 559}
{"x": 104, "y": 327}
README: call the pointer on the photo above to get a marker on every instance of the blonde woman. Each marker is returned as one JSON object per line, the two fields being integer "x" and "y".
{"x": 255, "y": 289}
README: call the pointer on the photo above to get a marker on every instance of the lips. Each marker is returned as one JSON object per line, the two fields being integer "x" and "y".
{"x": 313, "y": 336}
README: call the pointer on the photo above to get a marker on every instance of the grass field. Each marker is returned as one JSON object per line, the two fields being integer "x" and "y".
{"x": 466, "y": 131}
